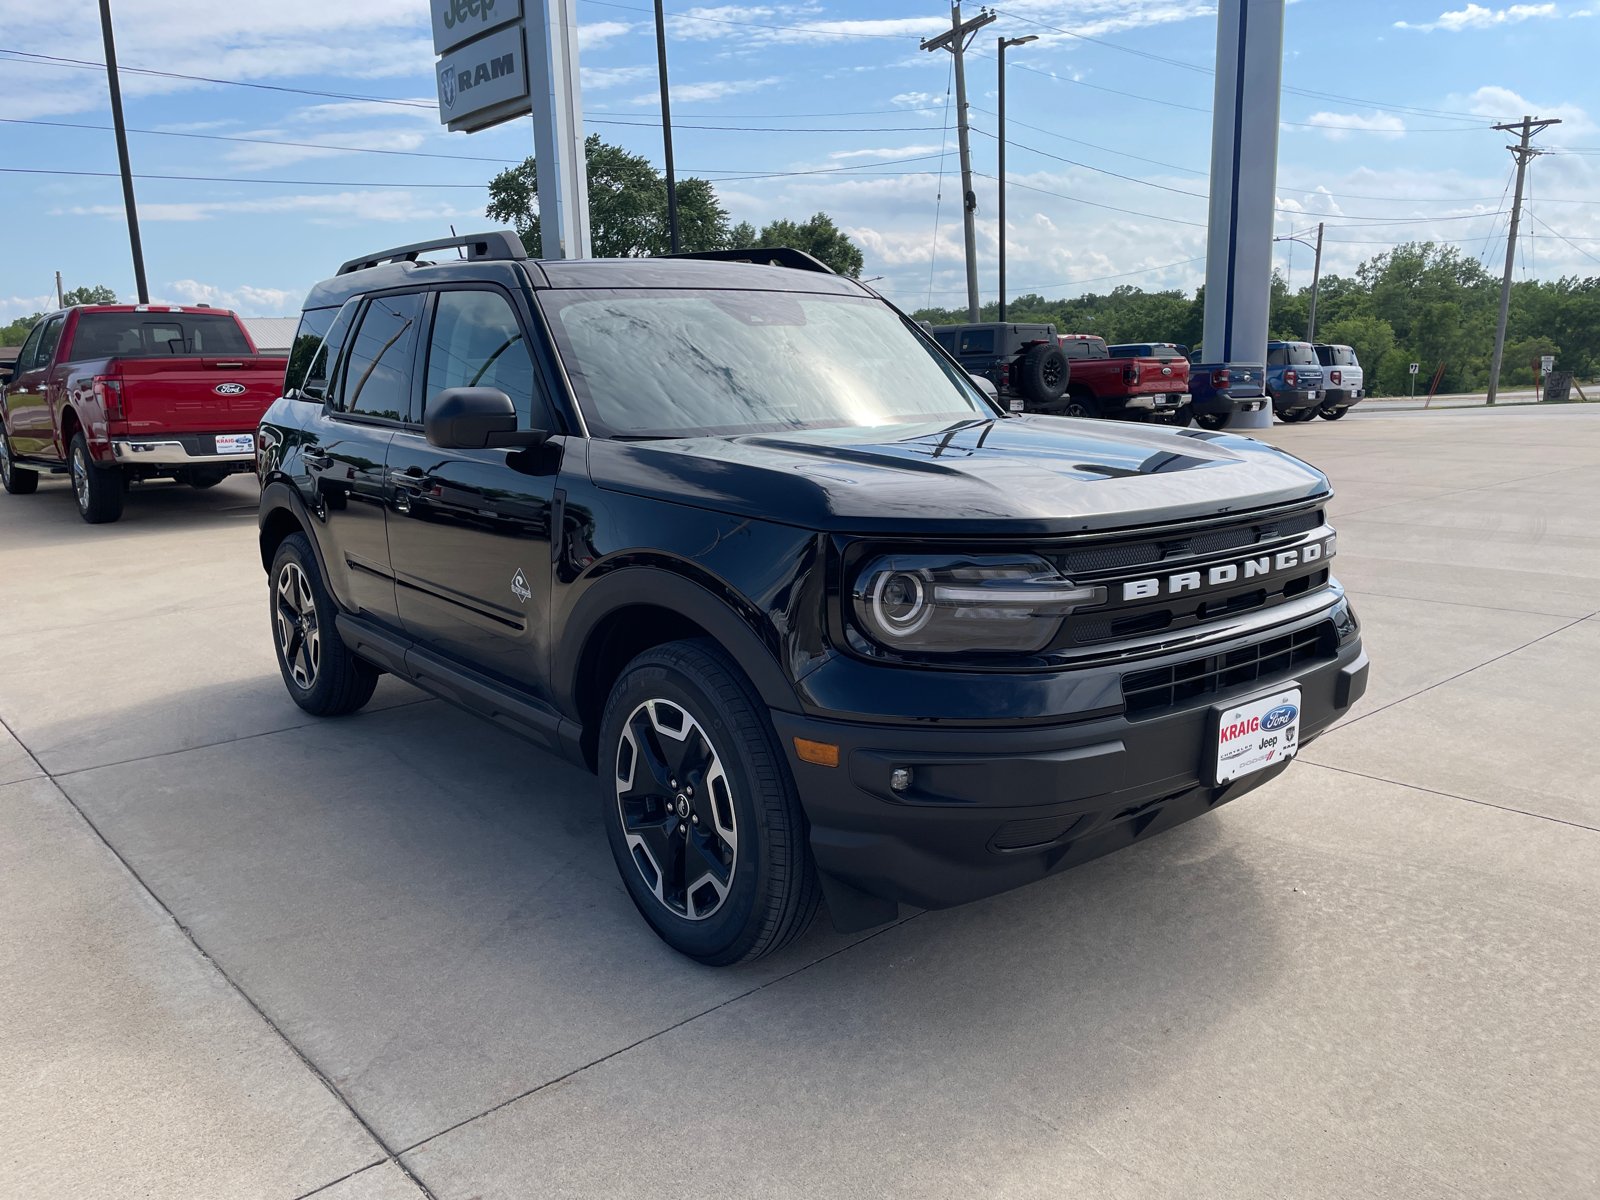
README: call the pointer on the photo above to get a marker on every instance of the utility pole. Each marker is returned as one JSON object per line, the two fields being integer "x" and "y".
{"x": 1522, "y": 153}
{"x": 666, "y": 126}
{"x": 61, "y": 300}
{"x": 122, "y": 153}
{"x": 956, "y": 41}
{"x": 1004, "y": 42}
{"x": 1316, "y": 278}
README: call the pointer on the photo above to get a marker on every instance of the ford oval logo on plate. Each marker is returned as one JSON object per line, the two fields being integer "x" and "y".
{"x": 1283, "y": 715}
{"x": 230, "y": 389}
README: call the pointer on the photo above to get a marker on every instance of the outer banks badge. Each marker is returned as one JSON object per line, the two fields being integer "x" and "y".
{"x": 520, "y": 588}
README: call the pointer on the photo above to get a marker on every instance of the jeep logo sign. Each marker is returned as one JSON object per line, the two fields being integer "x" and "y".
{"x": 458, "y": 21}
{"x": 482, "y": 74}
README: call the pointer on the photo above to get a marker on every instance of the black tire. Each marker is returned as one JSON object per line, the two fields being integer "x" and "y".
{"x": 1215, "y": 422}
{"x": 744, "y": 833}
{"x": 98, "y": 490}
{"x": 1180, "y": 416}
{"x": 201, "y": 480}
{"x": 19, "y": 481}
{"x": 322, "y": 676}
{"x": 1080, "y": 404}
{"x": 1044, "y": 373}
{"x": 1333, "y": 414}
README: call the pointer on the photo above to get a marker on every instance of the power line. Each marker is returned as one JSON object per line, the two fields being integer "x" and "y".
{"x": 1076, "y": 282}
{"x": 1567, "y": 240}
{"x": 1092, "y": 203}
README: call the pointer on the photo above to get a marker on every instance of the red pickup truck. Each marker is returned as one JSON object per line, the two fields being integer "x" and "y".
{"x": 1146, "y": 381}
{"x": 112, "y": 393}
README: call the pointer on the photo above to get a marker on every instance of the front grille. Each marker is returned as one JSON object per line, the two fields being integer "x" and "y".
{"x": 1149, "y": 692}
{"x": 1034, "y": 831}
{"x": 1091, "y": 561}
{"x": 1108, "y": 558}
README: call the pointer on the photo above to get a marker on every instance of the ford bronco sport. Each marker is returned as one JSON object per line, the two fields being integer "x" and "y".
{"x": 745, "y": 542}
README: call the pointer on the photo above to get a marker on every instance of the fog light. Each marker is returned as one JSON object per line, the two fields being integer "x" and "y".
{"x": 900, "y": 778}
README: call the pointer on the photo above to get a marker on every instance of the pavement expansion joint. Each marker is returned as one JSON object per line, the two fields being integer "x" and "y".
{"x": 1417, "y": 787}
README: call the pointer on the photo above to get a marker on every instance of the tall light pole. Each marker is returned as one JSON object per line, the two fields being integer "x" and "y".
{"x": 1528, "y": 126}
{"x": 666, "y": 126}
{"x": 956, "y": 41}
{"x": 122, "y": 153}
{"x": 1004, "y": 42}
{"x": 1316, "y": 277}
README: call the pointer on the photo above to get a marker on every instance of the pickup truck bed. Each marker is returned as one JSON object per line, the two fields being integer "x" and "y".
{"x": 111, "y": 394}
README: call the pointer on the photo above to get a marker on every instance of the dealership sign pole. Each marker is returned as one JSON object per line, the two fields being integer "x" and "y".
{"x": 1244, "y": 176}
{"x": 496, "y": 65}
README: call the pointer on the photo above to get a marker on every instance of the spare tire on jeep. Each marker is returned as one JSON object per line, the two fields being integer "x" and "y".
{"x": 1043, "y": 373}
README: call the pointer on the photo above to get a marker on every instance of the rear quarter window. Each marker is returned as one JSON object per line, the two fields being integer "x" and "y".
{"x": 977, "y": 341}
{"x": 314, "y": 324}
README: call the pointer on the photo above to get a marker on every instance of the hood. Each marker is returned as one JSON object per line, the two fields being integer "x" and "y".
{"x": 1019, "y": 475}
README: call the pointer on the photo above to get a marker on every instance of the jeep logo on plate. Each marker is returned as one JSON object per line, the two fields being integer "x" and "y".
{"x": 230, "y": 389}
{"x": 1283, "y": 715}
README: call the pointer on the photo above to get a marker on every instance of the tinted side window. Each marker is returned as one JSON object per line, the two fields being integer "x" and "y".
{"x": 30, "y": 349}
{"x": 48, "y": 340}
{"x": 949, "y": 342}
{"x": 977, "y": 341}
{"x": 326, "y": 361}
{"x": 1277, "y": 356}
{"x": 1327, "y": 355}
{"x": 313, "y": 328}
{"x": 377, "y": 370}
{"x": 477, "y": 342}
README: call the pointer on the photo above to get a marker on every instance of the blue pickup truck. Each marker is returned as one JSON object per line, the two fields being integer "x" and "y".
{"x": 1294, "y": 380}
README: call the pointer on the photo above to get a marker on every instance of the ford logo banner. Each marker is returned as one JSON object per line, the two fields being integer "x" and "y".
{"x": 1278, "y": 717}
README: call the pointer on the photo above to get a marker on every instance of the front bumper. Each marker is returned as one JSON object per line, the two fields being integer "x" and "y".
{"x": 991, "y": 809}
{"x": 184, "y": 451}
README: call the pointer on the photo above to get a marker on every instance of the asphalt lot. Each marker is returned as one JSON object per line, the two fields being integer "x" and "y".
{"x": 247, "y": 953}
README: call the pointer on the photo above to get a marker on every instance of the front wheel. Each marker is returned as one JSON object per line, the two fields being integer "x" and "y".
{"x": 322, "y": 676}
{"x": 16, "y": 480}
{"x": 700, "y": 809}
{"x": 1215, "y": 422}
{"x": 98, "y": 489}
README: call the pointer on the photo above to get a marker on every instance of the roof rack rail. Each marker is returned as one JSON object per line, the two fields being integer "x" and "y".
{"x": 767, "y": 256}
{"x": 501, "y": 244}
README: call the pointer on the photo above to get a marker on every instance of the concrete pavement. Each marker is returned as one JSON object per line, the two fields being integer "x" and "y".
{"x": 248, "y": 953}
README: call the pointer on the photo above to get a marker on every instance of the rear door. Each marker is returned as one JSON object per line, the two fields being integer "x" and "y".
{"x": 28, "y": 394}
{"x": 469, "y": 530}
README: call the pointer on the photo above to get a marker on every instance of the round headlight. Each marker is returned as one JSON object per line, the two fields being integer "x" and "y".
{"x": 900, "y": 603}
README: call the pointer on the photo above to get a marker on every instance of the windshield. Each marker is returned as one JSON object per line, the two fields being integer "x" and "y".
{"x": 648, "y": 363}
{"x": 1301, "y": 355}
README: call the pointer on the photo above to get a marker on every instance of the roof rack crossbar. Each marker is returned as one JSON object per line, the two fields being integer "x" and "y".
{"x": 766, "y": 256}
{"x": 501, "y": 244}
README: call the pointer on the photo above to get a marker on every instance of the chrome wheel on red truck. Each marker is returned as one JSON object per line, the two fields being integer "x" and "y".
{"x": 17, "y": 481}
{"x": 98, "y": 489}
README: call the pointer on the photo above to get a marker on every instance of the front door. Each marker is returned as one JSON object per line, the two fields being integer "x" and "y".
{"x": 28, "y": 393}
{"x": 469, "y": 530}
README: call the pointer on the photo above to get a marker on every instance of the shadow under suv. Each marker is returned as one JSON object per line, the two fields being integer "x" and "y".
{"x": 740, "y": 538}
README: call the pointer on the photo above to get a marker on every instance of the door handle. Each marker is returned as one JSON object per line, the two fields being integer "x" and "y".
{"x": 320, "y": 461}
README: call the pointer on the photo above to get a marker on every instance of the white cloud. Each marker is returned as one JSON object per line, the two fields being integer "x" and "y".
{"x": 790, "y": 25}
{"x": 598, "y": 34}
{"x": 1475, "y": 16}
{"x": 1338, "y": 126}
{"x": 339, "y": 208}
{"x": 1502, "y": 104}
{"x": 12, "y": 307}
{"x": 894, "y": 152}
{"x": 713, "y": 90}
{"x": 599, "y": 78}
{"x": 249, "y": 301}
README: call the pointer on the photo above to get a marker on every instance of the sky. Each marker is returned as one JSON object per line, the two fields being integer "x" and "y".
{"x": 791, "y": 109}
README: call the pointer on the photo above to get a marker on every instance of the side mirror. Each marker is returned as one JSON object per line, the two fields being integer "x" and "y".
{"x": 476, "y": 418}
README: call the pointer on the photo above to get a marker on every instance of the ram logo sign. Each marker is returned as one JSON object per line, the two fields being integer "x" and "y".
{"x": 483, "y": 74}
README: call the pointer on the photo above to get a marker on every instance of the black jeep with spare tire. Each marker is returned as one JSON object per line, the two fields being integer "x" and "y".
{"x": 744, "y": 541}
{"x": 1024, "y": 362}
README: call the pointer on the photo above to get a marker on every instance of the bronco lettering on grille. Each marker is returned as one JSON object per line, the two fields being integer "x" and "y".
{"x": 1224, "y": 573}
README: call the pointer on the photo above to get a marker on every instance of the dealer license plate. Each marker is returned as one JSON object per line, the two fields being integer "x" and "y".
{"x": 236, "y": 443}
{"x": 1255, "y": 735}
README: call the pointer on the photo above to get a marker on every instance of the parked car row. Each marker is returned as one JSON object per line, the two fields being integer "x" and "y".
{"x": 1039, "y": 370}
{"x": 734, "y": 534}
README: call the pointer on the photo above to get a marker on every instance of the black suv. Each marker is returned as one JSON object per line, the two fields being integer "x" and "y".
{"x": 745, "y": 542}
{"x": 1024, "y": 362}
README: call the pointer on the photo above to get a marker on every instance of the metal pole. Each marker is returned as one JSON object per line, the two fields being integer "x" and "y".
{"x": 61, "y": 300}
{"x": 969, "y": 200}
{"x": 1001, "y": 182}
{"x": 666, "y": 126}
{"x": 1316, "y": 278}
{"x": 1523, "y": 153}
{"x": 122, "y": 153}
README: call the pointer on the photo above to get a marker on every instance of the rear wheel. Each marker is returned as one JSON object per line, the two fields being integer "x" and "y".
{"x": 322, "y": 676}
{"x": 98, "y": 489}
{"x": 701, "y": 812}
{"x": 1215, "y": 422}
{"x": 1332, "y": 414}
{"x": 1180, "y": 416}
{"x": 1079, "y": 404}
{"x": 1044, "y": 373}
{"x": 17, "y": 480}
{"x": 202, "y": 479}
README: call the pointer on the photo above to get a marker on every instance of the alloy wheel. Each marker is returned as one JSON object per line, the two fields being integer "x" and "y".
{"x": 80, "y": 478}
{"x": 676, "y": 809}
{"x": 5, "y": 460}
{"x": 299, "y": 640}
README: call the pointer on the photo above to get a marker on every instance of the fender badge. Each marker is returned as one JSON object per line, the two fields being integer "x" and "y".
{"x": 520, "y": 588}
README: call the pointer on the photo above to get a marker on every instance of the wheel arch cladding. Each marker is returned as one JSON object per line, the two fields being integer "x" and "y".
{"x": 628, "y": 612}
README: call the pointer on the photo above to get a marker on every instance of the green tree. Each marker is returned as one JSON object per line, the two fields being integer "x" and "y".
{"x": 98, "y": 294}
{"x": 627, "y": 206}
{"x": 1370, "y": 337}
{"x": 17, "y": 332}
{"x": 818, "y": 237}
